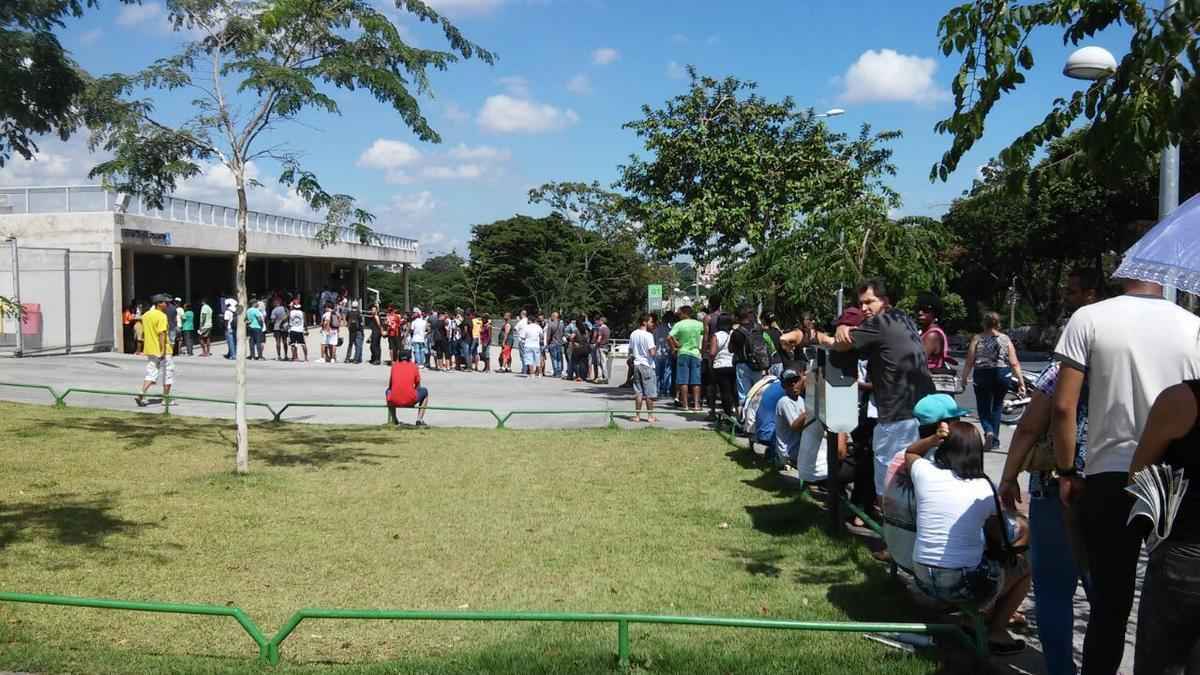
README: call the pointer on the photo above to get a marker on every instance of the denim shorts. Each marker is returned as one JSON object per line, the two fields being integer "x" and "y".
{"x": 687, "y": 370}
{"x": 976, "y": 586}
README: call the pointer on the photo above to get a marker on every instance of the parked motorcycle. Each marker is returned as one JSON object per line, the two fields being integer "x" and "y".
{"x": 1014, "y": 403}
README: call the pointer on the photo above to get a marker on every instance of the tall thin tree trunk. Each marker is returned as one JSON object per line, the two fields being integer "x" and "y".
{"x": 243, "y": 433}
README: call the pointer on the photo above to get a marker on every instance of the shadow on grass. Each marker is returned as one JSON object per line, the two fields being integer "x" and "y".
{"x": 299, "y": 446}
{"x": 139, "y": 431}
{"x": 66, "y": 519}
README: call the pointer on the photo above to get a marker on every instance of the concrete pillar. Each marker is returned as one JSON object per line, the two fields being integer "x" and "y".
{"x": 404, "y": 276}
{"x": 266, "y": 274}
{"x": 122, "y": 279}
{"x": 187, "y": 278}
{"x": 356, "y": 279}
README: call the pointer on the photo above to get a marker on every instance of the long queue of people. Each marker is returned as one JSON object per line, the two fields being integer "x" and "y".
{"x": 454, "y": 340}
{"x": 1122, "y": 393}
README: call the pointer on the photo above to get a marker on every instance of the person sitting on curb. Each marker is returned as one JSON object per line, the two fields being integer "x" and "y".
{"x": 956, "y": 505}
{"x": 405, "y": 390}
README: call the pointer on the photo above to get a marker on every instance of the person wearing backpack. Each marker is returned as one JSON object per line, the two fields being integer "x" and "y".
{"x": 751, "y": 357}
{"x": 354, "y": 341}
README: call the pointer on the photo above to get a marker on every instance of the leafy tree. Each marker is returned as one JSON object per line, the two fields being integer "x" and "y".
{"x": 40, "y": 84}
{"x": 441, "y": 283}
{"x": 1133, "y": 113}
{"x": 535, "y": 263}
{"x": 731, "y": 176}
{"x": 259, "y": 63}
{"x": 727, "y": 169}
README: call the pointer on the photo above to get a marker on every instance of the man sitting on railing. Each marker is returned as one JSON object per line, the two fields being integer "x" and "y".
{"x": 405, "y": 390}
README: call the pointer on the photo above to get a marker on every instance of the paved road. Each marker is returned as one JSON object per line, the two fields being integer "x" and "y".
{"x": 275, "y": 382}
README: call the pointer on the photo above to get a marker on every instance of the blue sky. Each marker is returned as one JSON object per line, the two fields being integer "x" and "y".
{"x": 569, "y": 74}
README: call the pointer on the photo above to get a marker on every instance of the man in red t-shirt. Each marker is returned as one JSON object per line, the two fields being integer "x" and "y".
{"x": 405, "y": 390}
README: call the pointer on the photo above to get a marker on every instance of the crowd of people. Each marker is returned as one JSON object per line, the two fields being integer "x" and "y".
{"x": 455, "y": 340}
{"x": 1115, "y": 398}
{"x": 971, "y": 546}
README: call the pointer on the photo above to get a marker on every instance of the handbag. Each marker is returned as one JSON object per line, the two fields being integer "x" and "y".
{"x": 1004, "y": 551}
{"x": 1040, "y": 456}
{"x": 946, "y": 380}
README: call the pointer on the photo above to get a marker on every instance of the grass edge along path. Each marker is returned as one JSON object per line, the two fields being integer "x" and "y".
{"x": 71, "y": 464}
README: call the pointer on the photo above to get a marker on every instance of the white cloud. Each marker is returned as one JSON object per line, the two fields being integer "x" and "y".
{"x": 91, "y": 36}
{"x": 515, "y": 85}
{"x": 46, "y": 168}
{"x": 414, "y": 204}
{"x": 580, "y": 84}
{"x": 386, "y": 153}
{"x": 887, "y": 75}
{"x": 456, "y": 114}
{"x": 481, "y": 152}
{"x": 676, "y": 71}
{"x": 459, "y": 172}
{"x": 216, "y": 185}
{"x": 505, "y": 114}
{"x": 605, "y": 56}
{"x": 132, "y": 15}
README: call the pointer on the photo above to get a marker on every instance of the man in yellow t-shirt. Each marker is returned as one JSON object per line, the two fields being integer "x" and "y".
{"x": 157, "y": 349}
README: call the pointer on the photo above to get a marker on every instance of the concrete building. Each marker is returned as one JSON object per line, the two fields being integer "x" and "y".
{"x": 89, "y": 252}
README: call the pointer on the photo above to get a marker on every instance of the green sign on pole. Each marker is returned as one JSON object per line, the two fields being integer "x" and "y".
{"x": 653, "y": 297}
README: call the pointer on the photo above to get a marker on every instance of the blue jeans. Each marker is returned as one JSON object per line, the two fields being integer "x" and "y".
{"x": 746, "y": 377}
{"x": 665, "y": 370}
{"x": 419, "y": 353}
{"x": 466, "y": 350}
{"x": 991, "y": 384}
{"x": 530, "y": 357}
{"x": 1055, "y": 576}
{"x": 354, "y": 350}
{"x": 687, "y": 370}
{"x": 230, "y": 343}
{"x": 556, "y": 358}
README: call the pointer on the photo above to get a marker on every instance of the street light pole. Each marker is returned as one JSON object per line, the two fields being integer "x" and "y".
{"x": 1096, "y": 63}
{"x": 1168, "y": 164}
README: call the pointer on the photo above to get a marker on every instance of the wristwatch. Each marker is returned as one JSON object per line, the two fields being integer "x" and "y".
{"x": 1066, "y": 473}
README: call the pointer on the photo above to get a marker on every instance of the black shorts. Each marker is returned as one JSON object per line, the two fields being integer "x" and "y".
{"x": 442, "y": 347}
{"x": 394, "y": 342}
{"x": 295, "y": 338}
{"x": 282, "y": 333}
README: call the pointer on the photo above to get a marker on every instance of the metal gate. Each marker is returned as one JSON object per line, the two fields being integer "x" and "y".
{"x": 67, "y": 300}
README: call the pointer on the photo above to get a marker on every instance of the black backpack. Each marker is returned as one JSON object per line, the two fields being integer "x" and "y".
{"x": 756, "y": 354}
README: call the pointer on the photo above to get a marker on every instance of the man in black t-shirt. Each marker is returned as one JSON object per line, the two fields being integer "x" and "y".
{"x": 890, "y": 342}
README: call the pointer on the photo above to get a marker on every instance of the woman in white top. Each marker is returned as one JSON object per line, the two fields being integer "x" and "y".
{"x": 955, "y": 500}
{"x": 724, "y": 373}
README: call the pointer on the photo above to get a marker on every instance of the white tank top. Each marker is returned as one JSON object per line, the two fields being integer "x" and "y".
{"x": 724, "y": 358}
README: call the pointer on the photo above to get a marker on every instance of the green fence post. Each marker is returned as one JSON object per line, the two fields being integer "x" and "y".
{"x": 623, "y": 645}
{"x": 612, "y": 420}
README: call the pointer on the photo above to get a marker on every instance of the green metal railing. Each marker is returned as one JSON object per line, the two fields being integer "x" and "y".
{"x": 383, "y": 406}
{"x": 277, "y": 415}
{"x": 269, "y": 649}
{"x": 243, "y": 620}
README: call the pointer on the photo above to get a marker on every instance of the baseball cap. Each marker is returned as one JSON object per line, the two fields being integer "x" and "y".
{"x": 354, "y": 305}
{"x": 160, "y": 297}
{"x": 789, "y": 376}
{"x": 937, "y": 408}
{"x": 853, "y": 316}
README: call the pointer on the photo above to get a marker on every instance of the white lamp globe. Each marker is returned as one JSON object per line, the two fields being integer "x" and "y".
{"x": 1090, "y": 63}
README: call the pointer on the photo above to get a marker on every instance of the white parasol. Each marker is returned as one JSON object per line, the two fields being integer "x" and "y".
{"x": 1169, "y": 254}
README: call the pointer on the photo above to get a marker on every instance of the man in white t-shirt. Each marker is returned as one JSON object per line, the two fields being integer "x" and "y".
{"x": 418, "y": 326}
{"x": 645, "y": 381}
{"x": 1131, "y": 348}
{"x": 296, "y": 330}
{"x": 531, "y": 347}
{"x": 519, "y": 331}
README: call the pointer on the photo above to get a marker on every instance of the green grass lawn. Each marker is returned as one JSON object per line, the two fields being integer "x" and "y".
{"x": 145, "y": 507}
